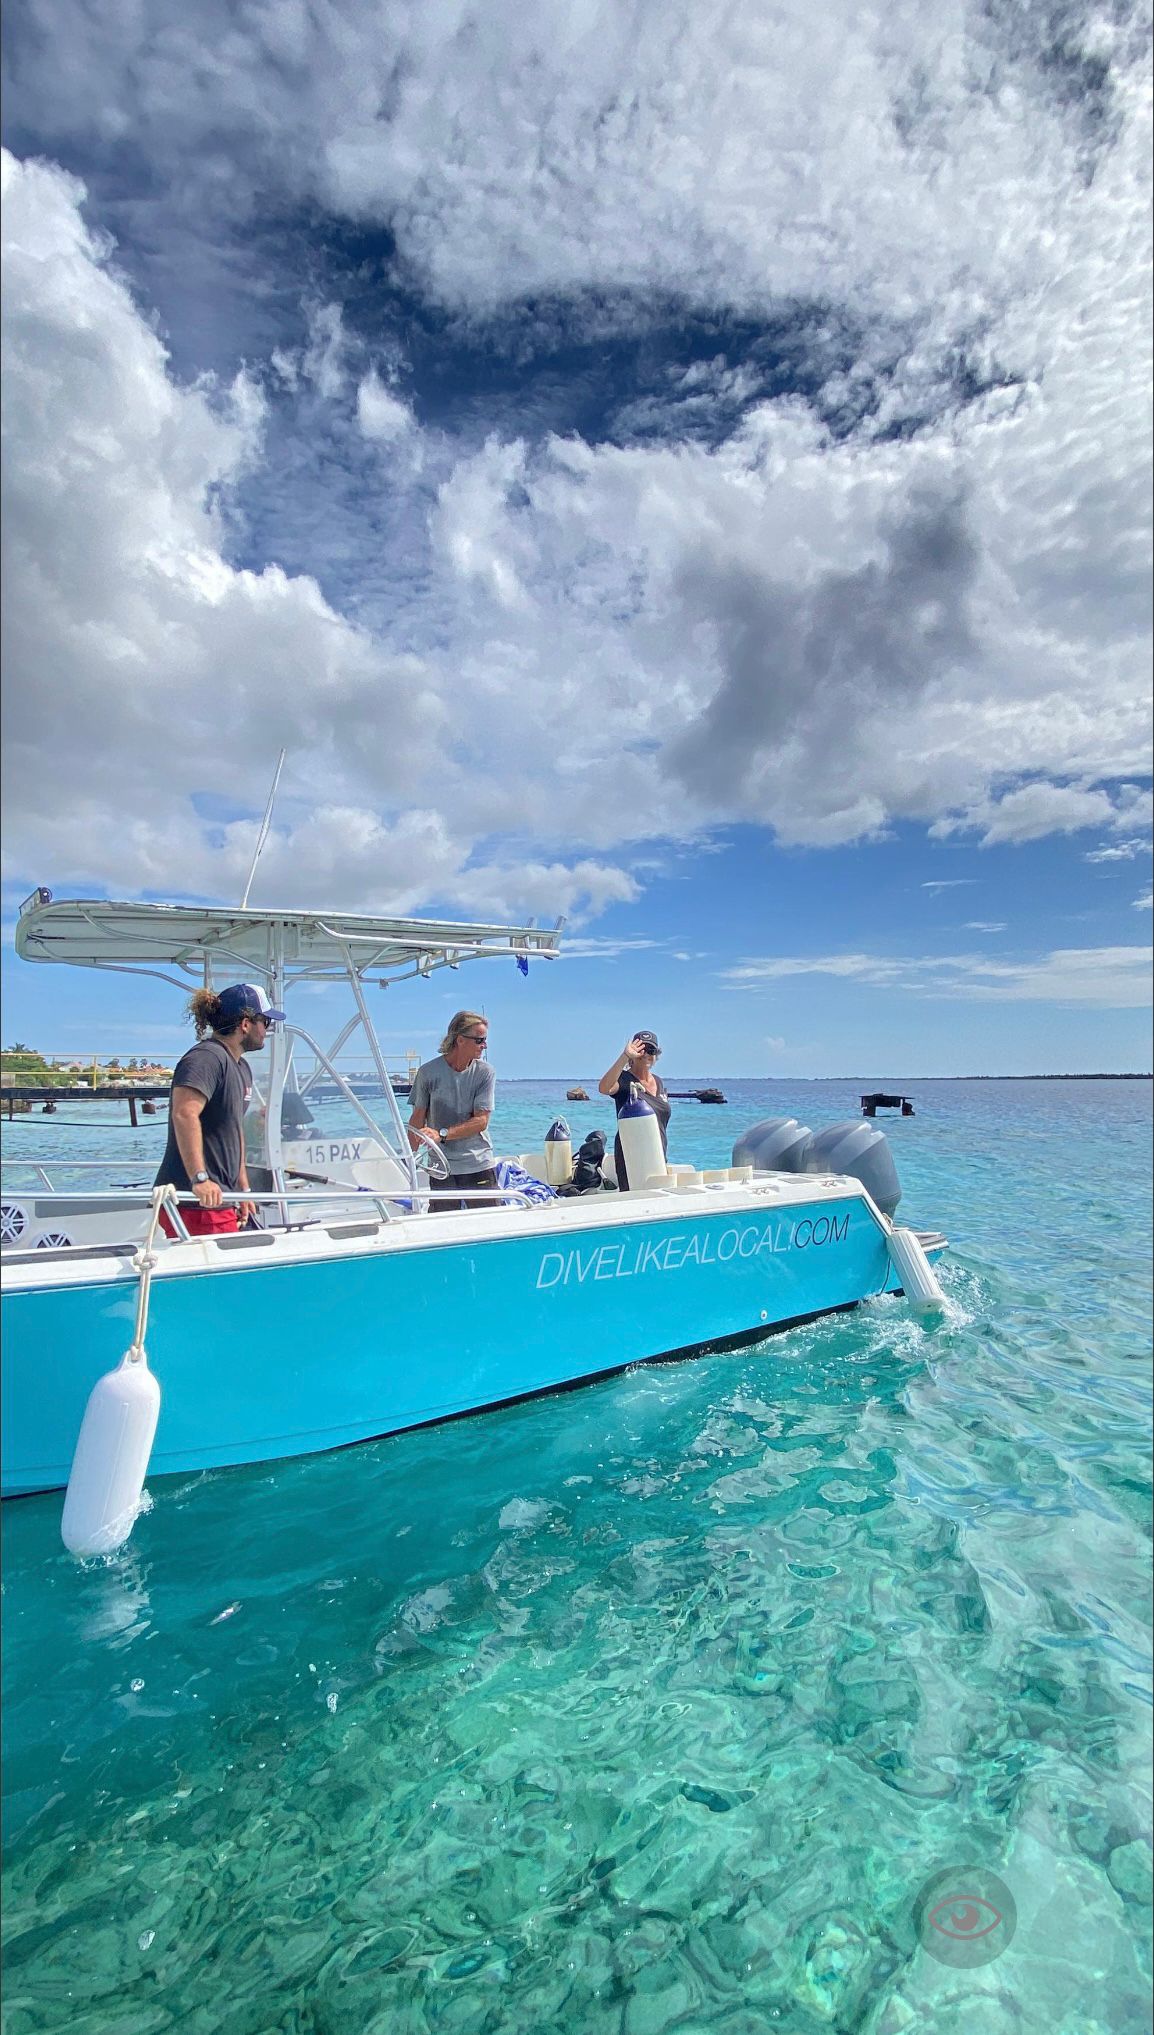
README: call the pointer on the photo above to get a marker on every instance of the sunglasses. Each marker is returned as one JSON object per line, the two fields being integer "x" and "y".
{"x": 473, "y": 1038}
{"x": 650, "y": 1052}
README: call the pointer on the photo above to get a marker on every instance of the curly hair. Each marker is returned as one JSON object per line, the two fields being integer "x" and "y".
{"x": 205, "y": 1013}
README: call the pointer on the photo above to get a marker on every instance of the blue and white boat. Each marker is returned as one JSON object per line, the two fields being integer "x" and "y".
{"x": 362, "y": 1307}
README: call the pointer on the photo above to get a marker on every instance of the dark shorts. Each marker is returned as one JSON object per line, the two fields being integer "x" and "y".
{"x": 463, "y": 1183}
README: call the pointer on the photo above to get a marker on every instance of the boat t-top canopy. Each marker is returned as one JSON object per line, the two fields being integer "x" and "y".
{"x": 212, "y": 944}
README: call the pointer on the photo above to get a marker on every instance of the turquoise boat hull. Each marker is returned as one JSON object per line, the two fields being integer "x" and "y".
{"x": 263, "y": 1356}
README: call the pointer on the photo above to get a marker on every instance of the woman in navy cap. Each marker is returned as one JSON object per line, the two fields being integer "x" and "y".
{"x": 210, "y": 1090}
{"x": 635, "y": 1067}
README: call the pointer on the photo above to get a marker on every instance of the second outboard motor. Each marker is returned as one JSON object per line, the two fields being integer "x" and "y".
{"x": 861, "y": 1151}
{"x": 776, "y": 1145}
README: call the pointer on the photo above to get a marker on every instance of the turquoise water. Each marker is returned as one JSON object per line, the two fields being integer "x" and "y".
{"x": 650, "y": 1706}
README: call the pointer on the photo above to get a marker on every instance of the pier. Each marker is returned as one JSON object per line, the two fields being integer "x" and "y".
{"x": 53, "y": 1092}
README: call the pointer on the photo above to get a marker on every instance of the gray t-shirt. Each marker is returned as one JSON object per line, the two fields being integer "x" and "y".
{"x": 448, "y": 1099}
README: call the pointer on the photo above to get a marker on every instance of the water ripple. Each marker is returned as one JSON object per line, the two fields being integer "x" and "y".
{"x": 650, "y": 1707}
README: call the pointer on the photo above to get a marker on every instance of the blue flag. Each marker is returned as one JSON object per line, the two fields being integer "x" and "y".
{"x": 523, "y": 963}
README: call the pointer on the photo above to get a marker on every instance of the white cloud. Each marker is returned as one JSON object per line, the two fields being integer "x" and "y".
{"x": 144, "y": 670}
{"x": 286, "y": 367}
{"x": 587, "y": 947}
{"x": 886, "y": 602}
{"x": 985, "y": 926}
{"x": 1143, "y": 903}
{"x": 473, "y": 528}
{"x": 1112, "y": 978}
{"x": 1124, "y": 851}
{"x": 876, "y": 969}
{"x": 380, "y": 414}
{"x": 575, "y": 892}
{"x": 917, "y": 158}
{"x": 813, "y": 636}
{"x": 344, "y": 850}
{"x": 140, "y": 662}
{"x": 1030, "y": 813}
{"x": 324, "y": 360}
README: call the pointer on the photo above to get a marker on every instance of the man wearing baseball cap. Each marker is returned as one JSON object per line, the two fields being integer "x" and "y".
{"x": 210, "y": 1090}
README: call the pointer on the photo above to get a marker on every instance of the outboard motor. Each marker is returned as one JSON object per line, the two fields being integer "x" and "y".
{"x": 776, "y": 1145}
{"x": 861, "y": 1151}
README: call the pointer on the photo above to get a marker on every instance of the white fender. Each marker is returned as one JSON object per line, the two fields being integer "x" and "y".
{"x": 111, "y": 1460}
{"x": 913, "y": 1268}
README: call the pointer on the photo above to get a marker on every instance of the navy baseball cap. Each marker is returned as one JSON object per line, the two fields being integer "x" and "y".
{"x": 244, "y": 999}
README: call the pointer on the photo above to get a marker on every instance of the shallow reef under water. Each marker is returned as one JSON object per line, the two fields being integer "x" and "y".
{"x": 649, "y": 1707}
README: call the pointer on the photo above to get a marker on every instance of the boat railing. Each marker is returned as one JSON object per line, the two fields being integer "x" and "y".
{"x": 59, "y": 1165}
{"x": 400, "y": 1151}
{"x": 337, "y": 1200}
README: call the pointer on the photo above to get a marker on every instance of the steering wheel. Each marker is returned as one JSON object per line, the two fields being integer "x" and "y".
{"x": 431, "y": 1160}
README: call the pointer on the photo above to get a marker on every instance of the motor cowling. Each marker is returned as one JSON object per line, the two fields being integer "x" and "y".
{"x": 776, "y": 1145}
{"x": 861, "y": 1151}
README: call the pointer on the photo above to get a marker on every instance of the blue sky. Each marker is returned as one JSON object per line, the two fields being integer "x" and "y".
{"x": 640, "y": 469}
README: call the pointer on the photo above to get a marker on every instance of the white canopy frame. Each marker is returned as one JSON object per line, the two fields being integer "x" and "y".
{"x": 191, "y": 945}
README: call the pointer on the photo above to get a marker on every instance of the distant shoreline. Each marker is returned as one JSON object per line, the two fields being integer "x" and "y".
{"x": 991, "y": 1077}
{"x": 797, "y": 1080}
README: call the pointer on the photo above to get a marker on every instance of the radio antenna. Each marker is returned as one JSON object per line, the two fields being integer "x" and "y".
{"x": 262, "y": 837}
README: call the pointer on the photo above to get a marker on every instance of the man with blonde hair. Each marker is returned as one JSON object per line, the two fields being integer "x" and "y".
{"x": 452, "y": 1101}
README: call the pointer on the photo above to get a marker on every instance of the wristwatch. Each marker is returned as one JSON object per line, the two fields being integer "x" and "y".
{"x": 198, "y": 1179}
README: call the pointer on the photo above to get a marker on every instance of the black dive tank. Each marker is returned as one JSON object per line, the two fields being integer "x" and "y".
{"x": 861, "y": 1151}
{"x": 776, "y": 1145}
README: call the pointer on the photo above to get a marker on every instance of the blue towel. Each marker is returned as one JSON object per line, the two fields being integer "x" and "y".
{"x": 509, "y": 1174}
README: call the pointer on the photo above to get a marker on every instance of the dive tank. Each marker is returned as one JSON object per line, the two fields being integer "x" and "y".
{"x": 640, "y": 1135}
{"x": 558, "y": 1153}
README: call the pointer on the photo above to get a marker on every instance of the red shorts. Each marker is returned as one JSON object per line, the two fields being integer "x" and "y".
{"x": 201, "y": 1222}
